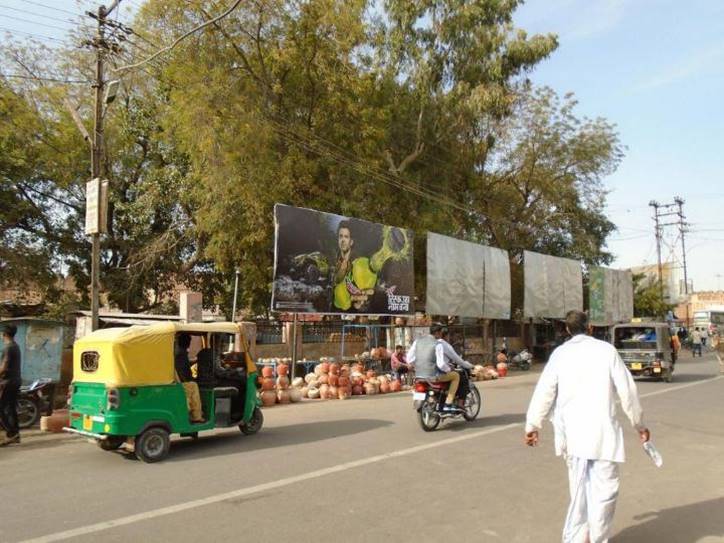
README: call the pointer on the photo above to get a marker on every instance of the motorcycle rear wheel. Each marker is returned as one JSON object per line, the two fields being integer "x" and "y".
{"x": 28, "y": 413}
{"x": 429, "y": 419}
{"x": 473, "y": 403}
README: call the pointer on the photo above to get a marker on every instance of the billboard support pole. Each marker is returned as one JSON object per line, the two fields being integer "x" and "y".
{"x": 294, "y": 347}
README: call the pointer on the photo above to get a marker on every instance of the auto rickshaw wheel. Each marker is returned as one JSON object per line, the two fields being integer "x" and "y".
{"x": 255, "y": 423}
{"x": 111, "y": 443}
{"x": 153, "y": 445}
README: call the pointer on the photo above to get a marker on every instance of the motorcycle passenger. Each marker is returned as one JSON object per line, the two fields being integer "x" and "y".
{"x": 445, "y": 354}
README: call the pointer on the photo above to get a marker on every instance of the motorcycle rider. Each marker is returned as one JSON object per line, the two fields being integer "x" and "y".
{"x": 432, "y": 355}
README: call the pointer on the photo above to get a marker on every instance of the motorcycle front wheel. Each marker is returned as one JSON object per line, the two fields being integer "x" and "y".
{"x": 429, "y": 419}
{"x": 28, "y": 413}
{"x": 473, "y": 403}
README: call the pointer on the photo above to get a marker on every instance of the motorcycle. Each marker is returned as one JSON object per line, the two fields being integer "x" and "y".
{"x": 34, "y": 401}
{"x": 429, "y": 401}
{"x": 522, "y": 360}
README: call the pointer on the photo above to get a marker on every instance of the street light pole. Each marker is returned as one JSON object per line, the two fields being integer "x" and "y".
{"x": 236, "y": 291}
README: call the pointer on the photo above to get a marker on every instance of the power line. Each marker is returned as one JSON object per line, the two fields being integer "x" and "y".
{"x": 32, "y": 22}
{"x": 40, "y": 4}
{"x": 181, "y": 38}
{"x": 37, "y": 36}
{"x": 39, "y": 15}
{"x": 43, "y": 78}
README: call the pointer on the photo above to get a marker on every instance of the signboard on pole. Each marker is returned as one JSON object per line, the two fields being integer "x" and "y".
{"x": 96, "y": 206}
{"x": 326, "y": 263}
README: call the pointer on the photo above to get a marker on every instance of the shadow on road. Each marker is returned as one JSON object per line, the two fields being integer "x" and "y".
{"x": 692, "y": 522}
{"x": 485, "y": 422}
{"x": 278, "y": 436}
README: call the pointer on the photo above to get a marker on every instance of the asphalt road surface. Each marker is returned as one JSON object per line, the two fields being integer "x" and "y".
{"x": 362, "y": 470}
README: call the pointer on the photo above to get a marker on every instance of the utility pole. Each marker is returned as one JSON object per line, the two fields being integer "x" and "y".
{"x": 656, "y": 205}
{"x": 682, "y": 232}
{"x": 97, "y": 150}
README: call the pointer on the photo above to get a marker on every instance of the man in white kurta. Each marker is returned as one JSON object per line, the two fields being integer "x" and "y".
{"x": 579, "y": 386}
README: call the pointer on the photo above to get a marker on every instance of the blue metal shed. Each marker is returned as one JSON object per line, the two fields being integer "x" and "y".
{"x": 41, "y": 343}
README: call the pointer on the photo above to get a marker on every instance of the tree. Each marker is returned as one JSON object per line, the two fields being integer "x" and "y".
{"x": 648, "y": 300}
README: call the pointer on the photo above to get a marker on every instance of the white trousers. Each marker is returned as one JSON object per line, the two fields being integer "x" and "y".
{"x": 593, "y": 486}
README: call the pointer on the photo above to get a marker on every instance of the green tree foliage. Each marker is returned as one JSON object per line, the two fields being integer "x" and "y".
{"x": 648, "y": 301}
{"x": 416, "y": 114}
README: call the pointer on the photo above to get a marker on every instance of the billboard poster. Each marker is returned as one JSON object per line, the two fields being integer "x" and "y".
{"x": 327, "y": 263}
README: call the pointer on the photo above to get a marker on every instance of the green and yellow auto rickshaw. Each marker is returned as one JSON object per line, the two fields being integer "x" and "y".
{"x": 126, "y": 390}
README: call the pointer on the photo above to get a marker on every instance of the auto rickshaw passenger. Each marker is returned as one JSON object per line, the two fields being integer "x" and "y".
{"x": 182, "y": 365}
{"x": 231, "y": 371}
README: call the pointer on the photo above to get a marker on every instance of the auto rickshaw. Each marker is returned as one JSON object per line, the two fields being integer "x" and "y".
{"x": 125, "y": 388}
{"x": 646, "y": 349}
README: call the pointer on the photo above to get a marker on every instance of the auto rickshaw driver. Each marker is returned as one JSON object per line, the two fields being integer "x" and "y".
{"x": 182, "y": 366}
{"x": 231, "y": 372}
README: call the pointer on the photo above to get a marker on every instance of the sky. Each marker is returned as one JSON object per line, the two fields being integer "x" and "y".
{"x": 655, "y": 68}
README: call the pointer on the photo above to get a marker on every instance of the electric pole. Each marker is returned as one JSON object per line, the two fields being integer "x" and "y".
{"x": 97, "y": 149}
{"x": 682, "y": 232}
{"x": 656, "y": 205}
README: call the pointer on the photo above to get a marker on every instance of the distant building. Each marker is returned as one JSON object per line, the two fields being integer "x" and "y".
{"x": 699, "y": 301}
{"x": 672, "y": 278}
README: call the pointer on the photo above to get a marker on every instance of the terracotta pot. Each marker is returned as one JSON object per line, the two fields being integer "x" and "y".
{"x": 323, "y": 379}
{"x": 502, "y": 368}
{"x": 371, "y": 374}
{"x": 313, "y": 393}
{"x": 324, "y": 367}
{"x": 295, "y": 395}
{"x": 282, "y": 369}
{"x": 358, "y": 390}
{"x": 267, "y": 383}
{"x": 267, "y": 371}
{"x": 384, "y": 387}
{"x": 310, "y": 378}
{"x": 395, "y": 386}
{"x": 344, "y": 381}
{"x": 268, "y": 398}
{"x": 333, "y": 379}
{"x": 344, "y": 393}
{"x": 333, "y": 393}
{"x": 282, "y": 382}
{"x": 334, "y": 368}
{"x": 283, "y": 396}
{"x": 370, "y": 389}
{"x": 298, "y": 382}
{"x": 324, "y": 391}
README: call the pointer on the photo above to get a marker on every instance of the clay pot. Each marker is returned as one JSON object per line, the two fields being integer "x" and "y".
{"x": 502, "y": 368}
{"x": 371, "y": 374}
{"x": 334, "y": 368}
{"x": 310, "y": 378}
{"x": 333, "y": 393}
{"x": 323, "y": 379}
{"x": 282, "y": 382}
{"x": 298, "y": 382}
{"x": 344, "y": 381}
{"x": 384, "y": 387}
{"x": 333, "y": 379}
{"x": 324, "y": 367}
{"x": 358, "y": 390}
{"x": 323, "y": 391}
{"x": 267, "y": 371}
{"x": 313, "y": 393}
{"x": 395, "y": 386}
{"x": 283, "y": 396}
{"x": 267, "y": 383}
{"x": 344, "y": 393}
{"x": 268, "y": 398}
{"x": 295, "y": 395}
{"x": 370, "y": 389}
{"x": 282, "y": 369}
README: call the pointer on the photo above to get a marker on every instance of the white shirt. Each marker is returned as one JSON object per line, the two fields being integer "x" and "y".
{"x": 581, "y": 381}
{"x": 696, "y": 337}
{"x": 444, "y": 353}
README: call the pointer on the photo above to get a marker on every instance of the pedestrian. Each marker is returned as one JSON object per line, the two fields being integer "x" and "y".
{"x": 399, "y": 363}
{"x": 580, "y": 385}
{"x": 10, "y": 386}
{"x": 696, "y": 342}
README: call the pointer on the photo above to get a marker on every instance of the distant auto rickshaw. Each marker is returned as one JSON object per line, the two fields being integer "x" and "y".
{"x": 125, "y": 388}
{"x": 646, "y": 348}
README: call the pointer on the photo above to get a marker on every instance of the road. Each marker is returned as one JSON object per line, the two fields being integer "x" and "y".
{"x": 362, "y": 470}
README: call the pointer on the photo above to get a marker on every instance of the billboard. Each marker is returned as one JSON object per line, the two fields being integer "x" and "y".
{"x": 466, "y": 279}
{"x": 553, "y": 286}
{"x": 326, "y": 263}
{"x": 610, "y": 296}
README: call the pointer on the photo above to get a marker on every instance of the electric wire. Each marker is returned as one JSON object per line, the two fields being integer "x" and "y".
{"x": 40, "y": 4}
{"x": 44, "y": 78}
{"x": 28, "y": 34}
{"x": 33, "y": 22}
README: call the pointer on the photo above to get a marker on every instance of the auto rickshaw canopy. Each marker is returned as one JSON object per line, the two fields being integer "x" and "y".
{"x": 140, "y": 355}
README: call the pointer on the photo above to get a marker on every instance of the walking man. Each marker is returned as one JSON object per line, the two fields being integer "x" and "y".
{"x": 580, "y": 384}
{"x": 696, "y": 342}
{"x": 10, "y": 386}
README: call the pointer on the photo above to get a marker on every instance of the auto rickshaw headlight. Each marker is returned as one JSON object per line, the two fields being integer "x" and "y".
{"x": 114, "y": 398}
